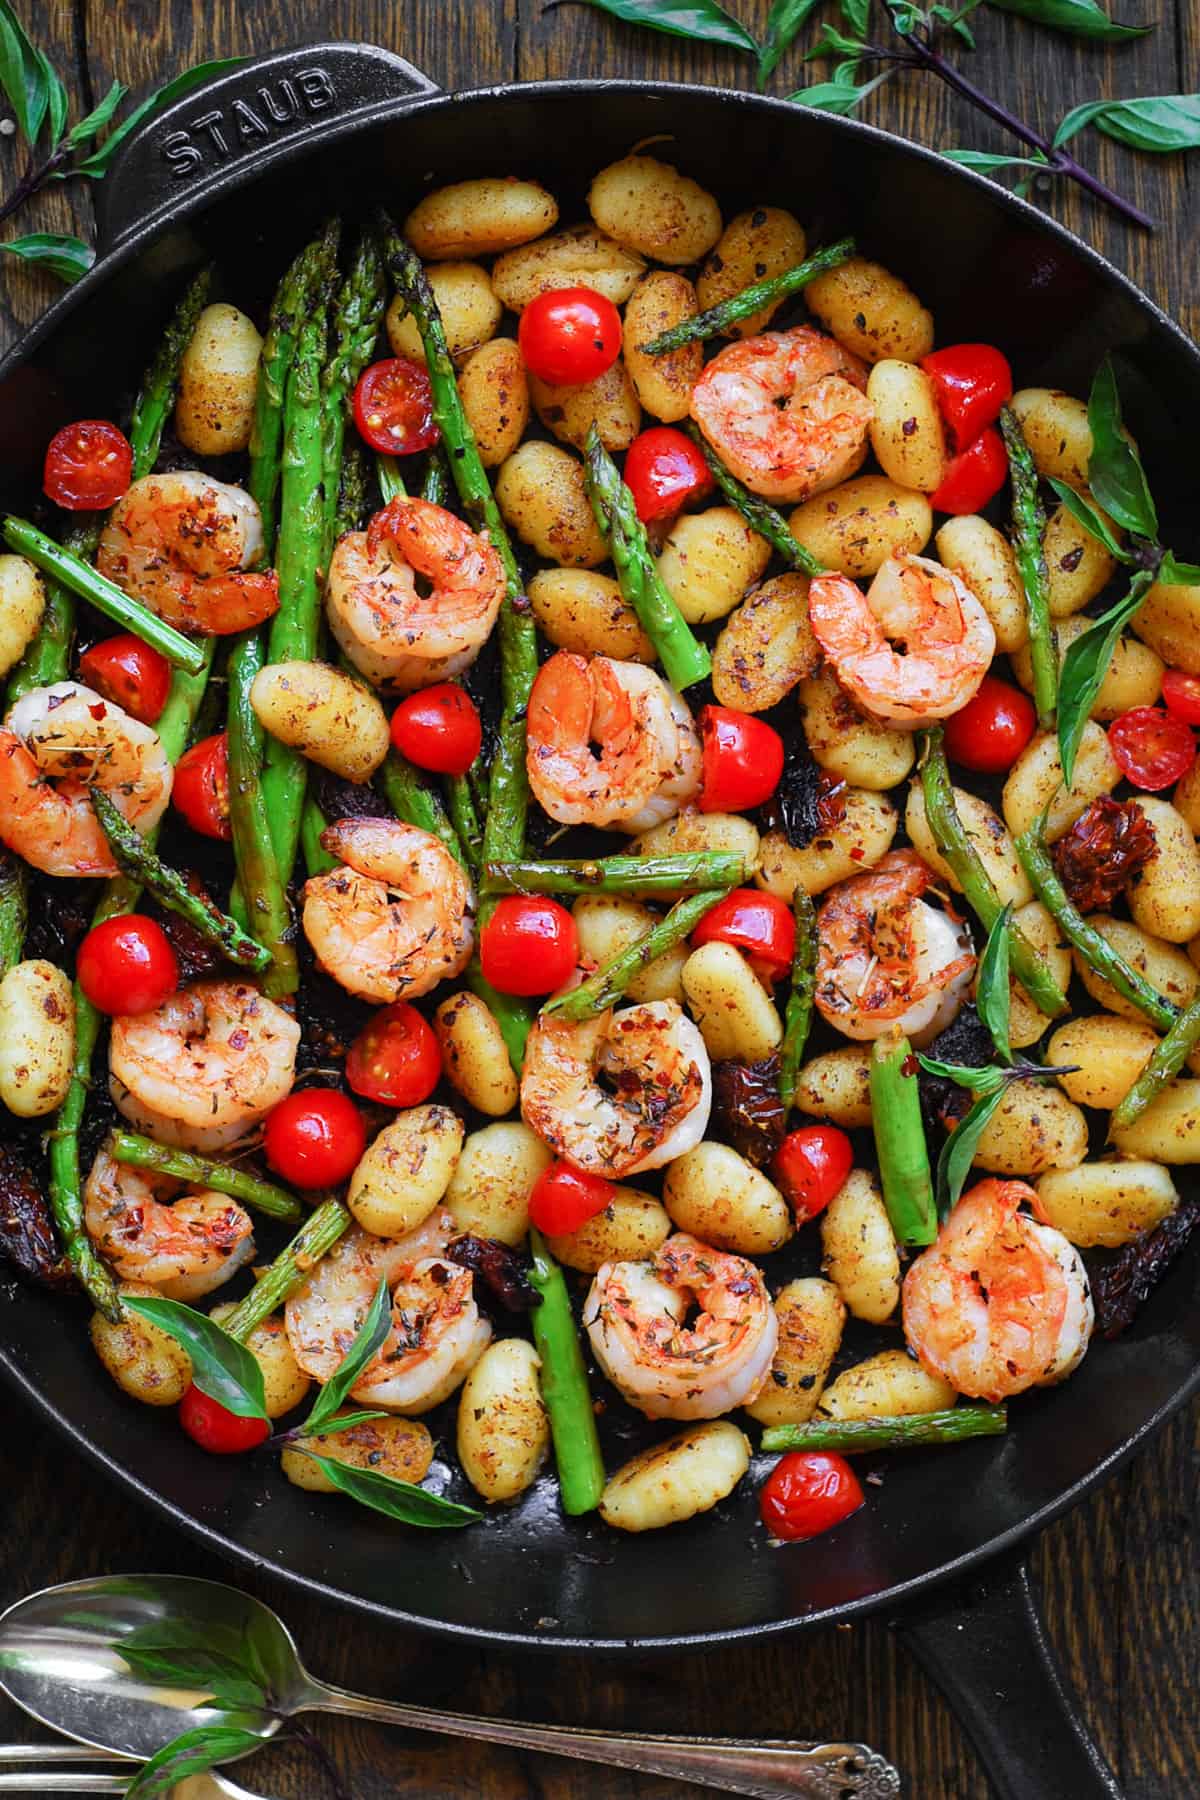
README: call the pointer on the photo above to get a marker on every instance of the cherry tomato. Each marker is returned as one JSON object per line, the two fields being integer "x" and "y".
{"x": 438, "y": 728}
{"x": 569, "y": 336}
{"x": 973, "y": 476}
{"x": 564, "y": 1198}
{"x": 742, "y": 760}
{"x": 759, "y": 923}
{"x": 127, "y": 965}
{"x": 88, "y": 466}
{"x": 1153, "y": 749}
{"x": 393, "y": 407}
{"x": 218, "y": 1430}
{"x": 992, "y": 729}
{"x": 395, "y": 1058}
{"x": 130, "y": 674}
{"x": 529, "y": 945}
{"x": 809, "y": 1492}
{"x": 315, "y": 1138}
{"x": 665, "y": 471}
{"x": 811, "y": 1165}
{"x": 201, "y": 790}
{"x": 1182, "y": 695}
{"x": 973, "y": 382}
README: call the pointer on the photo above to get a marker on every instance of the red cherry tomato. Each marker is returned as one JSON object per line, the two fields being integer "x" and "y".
{"x": 216, "y": 1429}
{"x": 564, "y": 1198}
{"x": 438, "y": 728}
{"x": 742, "y": 760}
{"x": 529, "y": 945}
{"x": 127, "y": 965}
{"x": 315, "y": 1138}
{"x": 393, "y": 407}
{"x": 973, "y": 382}
{"x": 807, "y": 1493}
{"x": 130, "y": 674}
{"x": 1152, "y": 748}
{"x": 973, "y": 476}
{"x": 992, "y": 729}
{"x": 88, "y": 466}
{"x": 395, "y": 1058}
{"x": 811, "y": 1165}
{"x": 1182, "y": 695}
{"x": 665, "y": 471}
{"x": 569, "y": 336}
{"x": 759, "y": 923}
{"x": 201, "y": 790}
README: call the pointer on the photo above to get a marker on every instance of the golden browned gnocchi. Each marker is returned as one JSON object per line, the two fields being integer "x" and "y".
{"x": 871, "y": 311}
{"x": 631, "y": 1227}
{"x": 1078, "y": 567}
{"x": 988, "y": 835}
{"x": 144, "y": 1361}
{"x": 907, "y": 434}
{"x": 736, "y": 1017}
{"x": 663, "y": 383}
{"x": 218, "y": 378}
{"x": 495, "y": 396}
{"x": 22, "y": 603}
{"x": 810, "y": 1314}
{"x": 1164, "y": 895}
{"x": 1164, "y": 966}
{"x": 836, "y": 1086}
{"x": 756, "y": 245}
{"x": 983, "y": 556}
{"x": 887, "y": 1386}
{"x": 324, "y": 713}
{"x": 503, "y": 1426}
{"x": 1035, "y": 782}
{"x": 580, "y": 610}
{"x": 1041, "y": 932}
{"x": 474, "y": 1055}
{"x": 650, "y": 207}
{"x": 723, "y": 1200}
{"x": 1101, "y": 1056}
{"x": 862, "y": 834}
{"x": 609, "y": 403}
{"x": 405, "y": 1170}
{"x": 696, "y": 831}
{"x": 854, "y": 748}
{"x": 580, "y": 256}
{"x": 284, "y": 1382}
{"x": 489, "y": 1188}
{"x": 606, "y": 924}
{"x": 860, "y": 1257}
{"x": 399, "y": 1448}
{"x": 1034, "y": 1128}
{"x": 709, "y": 560}
{"x": 540, "y": 492}
{"x": 1169, "y": 621}
{"x": 1106, "y": 1202}
{"x": 1168, "y": 1131}
{"x": 470, "y": 312}
{"x": 1057, "y": 431}
{"x": 855, "y": 527}
{"x": 675, "y": 1480}
{"x": 766, "y": 646}
{"x": 37, "y": 1038}
{"x": 480, "y": 217}
{"x": 1133, "y": 676}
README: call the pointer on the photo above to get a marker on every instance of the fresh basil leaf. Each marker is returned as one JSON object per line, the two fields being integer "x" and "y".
{"x": 1174, "y": 572}
{"x": 97, "y": 164}
{"x": 1115, "y": 473}
{"x": 857, "y": 14}
{"x": 1158, "y": 123}
{"x": 95, "y": 121}
{"x": 67, "y": 257}
{"x": 58, "y": 101}
{"x": 1093, "y": 522}
{"x": 368, "y": 1340}
{"x": 702, "y": 19}
{"x": 395, "y": 1499}
{"x": 24, "y": 74}
{"x": 190, "y": 1754}
{"x": 993, "y": 996}
{"x": 1082, "y": 18}
{"x": 784, "y": 21}
{"x": 987, "y": 163}
{"x": 228, "y": 1687}
{"x": 221, "y": 1367}
{"x": 343, "y": 1423}
{"x": 1085, "y": 666}
{"x": 833, "y": 42}
{"x": 837, "y": 96}
{"x": 981, "y": 1079}
{"x": 958, "y": 1151}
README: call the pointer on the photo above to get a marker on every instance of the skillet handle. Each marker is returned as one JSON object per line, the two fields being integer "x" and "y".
{"x": 235, "y": 127}
{"x": 985, "y": 1646}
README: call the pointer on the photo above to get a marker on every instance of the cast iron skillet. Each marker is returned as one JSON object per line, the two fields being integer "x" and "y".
{"x": 243, "y": 170}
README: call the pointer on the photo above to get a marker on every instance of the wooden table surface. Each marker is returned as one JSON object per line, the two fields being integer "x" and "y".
{"x": 1119, "y": 1576}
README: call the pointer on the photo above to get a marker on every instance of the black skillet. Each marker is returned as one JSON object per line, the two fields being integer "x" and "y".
{"x": 241, "y": 171}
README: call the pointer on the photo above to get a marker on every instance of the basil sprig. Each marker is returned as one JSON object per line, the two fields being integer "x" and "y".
{"x": 191, "y": 1753}
{"x": 989, "y": 1085}
{"x": 1158, "y": 123}
{"x": 1082, "y": 18}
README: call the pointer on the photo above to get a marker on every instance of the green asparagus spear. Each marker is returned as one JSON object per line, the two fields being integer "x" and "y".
{"x": 357, "y": 311}
{"x": 904, "y": 1173}
{"x": 606, "y": 986}
{"x": 565, "y": 1386}
{"x": 697, "y": 869}
{"x": 352, "y": 489}
{"x": 391, "y": 481}
{"x": 14, "y": 909}
{"x": 260, "y": 880}
{"x": 1028, "y": 534}
{"x": 291, "y": 1268}
{"x": 460, "y": 802}
{"x": 910, "y": 1431}
{"x": 719, "y": 318}
{"x": 317, "y": 860}
{"x": 160, "y": 385}
{"x": 952, "y": 841}
{"x": 48, "y": 658}
{"x": 204, "y": 1171}
{"x": 683, "y": 657}
{"x": 758, "y": 514}
{"x": 413, "y": 799}
{"x": 436, "y": 486}
{"x": 798, "y": 1018}
{"x": 1164, "y": 1065}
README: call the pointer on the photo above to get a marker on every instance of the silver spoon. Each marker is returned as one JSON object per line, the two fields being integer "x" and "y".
{"x": 60, "y": 1659}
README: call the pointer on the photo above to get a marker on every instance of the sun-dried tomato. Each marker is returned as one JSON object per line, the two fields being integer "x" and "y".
{"x": 807, "y": 802}
{"x": 747, "y": 1110}
{"x": 1107, "y": 845}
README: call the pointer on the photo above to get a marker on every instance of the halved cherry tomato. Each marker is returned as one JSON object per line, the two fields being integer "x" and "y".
{"x": 759, "y": 923}
{"x": 742, "y": 759}
{"x": 315, "y": 1138}
{"x": 130, "y": 674}
{"x": 1182, "y": 695}
{"x": 393, "y": 407}
{"x": 811, "y": 1165}
{"x": 809, "y": 1492}
{"x": 216, "y": 1429}
{"x": 665, "y": 471}
{"x": 438, "y": 728}
{"x": 973, "y": 476}
{"x": 126, "y": 965}
{"x": 991, "y": 730}
{"x": 564, "y": 1198}
{"x": 1153, "y": 749}
{"x": 569, "y": 335}
{"x": 395, "y": 1058}
{"x": 529, "y": 945}
{"x": 973, "y": 382}
{"x": 201, "y": 790}
{"x": 89, "y": 465}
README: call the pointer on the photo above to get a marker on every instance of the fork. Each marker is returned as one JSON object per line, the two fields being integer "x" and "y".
{"x": 44, "y": 1778}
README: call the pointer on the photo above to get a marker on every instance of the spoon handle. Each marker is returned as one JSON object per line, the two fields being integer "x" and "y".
{"x": 768, "y": 1771}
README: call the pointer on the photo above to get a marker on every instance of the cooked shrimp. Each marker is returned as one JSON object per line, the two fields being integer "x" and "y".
{"x": 886, "y": 958}
{"x": 182, "y": 544}
{"x": 205, "y": 1067}
{"x": 786, "y": 412}
{"x": 634, "y": 1315}
{"x": 437, "y": 1332}
{"x": 186, "y": 1246}
{"x": 627, "y": 1092}
{"x": 646, "y": 763}
{"x": 999, "y": 1303}
{"x": 57, "y": 742}
{"x": 948, "y": 640}
{"x": 413, "y": 598}
{"x": 396, "y": 918}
